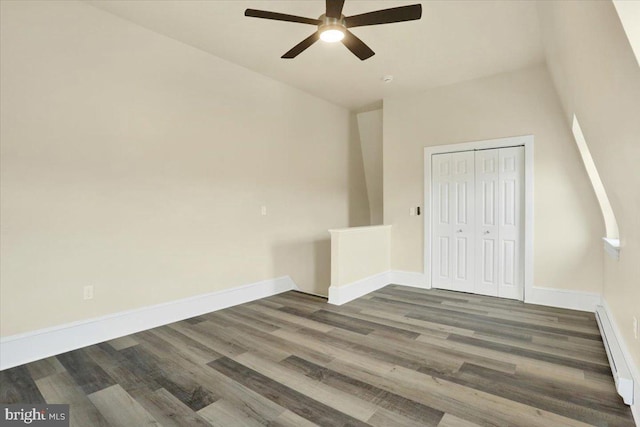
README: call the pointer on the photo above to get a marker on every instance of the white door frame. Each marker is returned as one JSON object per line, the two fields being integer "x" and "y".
{"x": 527, "y": 141}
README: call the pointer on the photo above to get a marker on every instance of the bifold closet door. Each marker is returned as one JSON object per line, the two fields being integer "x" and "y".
{"x": 478, "y": 222}
{"x": 453, "y": 221}
{"x": 487, "y": 200}
{"x": 511, "y": 223}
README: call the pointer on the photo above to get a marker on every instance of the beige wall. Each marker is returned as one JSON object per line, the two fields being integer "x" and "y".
{"x": 568, "y": 225}
{"x": 370, "y": 130}
{"x": 139, "y": 165}
{"x": 598, "y": 79}
{"x": 358, "y": 253}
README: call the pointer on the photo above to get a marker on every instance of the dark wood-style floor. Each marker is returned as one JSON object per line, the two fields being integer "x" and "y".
{"x": 397, "y": 357}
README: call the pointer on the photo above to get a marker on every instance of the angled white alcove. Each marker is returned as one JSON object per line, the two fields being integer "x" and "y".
{"x": 612, "y": 240}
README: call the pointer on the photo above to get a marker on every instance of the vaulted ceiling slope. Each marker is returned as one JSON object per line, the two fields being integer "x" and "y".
{"x": 453, "y": 42}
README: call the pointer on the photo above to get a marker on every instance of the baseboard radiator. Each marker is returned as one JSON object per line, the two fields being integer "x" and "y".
{"x": 619, "y": 368}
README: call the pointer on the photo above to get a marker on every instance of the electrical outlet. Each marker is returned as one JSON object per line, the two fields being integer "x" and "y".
{"x": 88, "y": 292}
{"x": 635, "y": 327}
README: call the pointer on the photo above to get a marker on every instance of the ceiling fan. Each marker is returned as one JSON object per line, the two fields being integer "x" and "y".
{"x": 333, "y": 26}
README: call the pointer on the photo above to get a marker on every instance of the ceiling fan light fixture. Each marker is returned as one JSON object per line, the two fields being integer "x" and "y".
{"x": 332, "y": 34}
{"x": 332, "y": 25}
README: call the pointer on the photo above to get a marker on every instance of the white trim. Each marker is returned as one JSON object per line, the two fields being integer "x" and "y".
{"x": 357, "y": 229}
{"x": 527, "y": 141}
{"x": 619, "y": 367}
{"x": 612, "y": 247}
{"x": 24, "y": 348}
{"x": 408, "y": 278}
{"x": 339, "y": 295}
{"x": 635, "y": 372}
{"x": 563, "y": 298}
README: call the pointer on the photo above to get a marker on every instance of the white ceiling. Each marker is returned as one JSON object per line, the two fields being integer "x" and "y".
{"x": 454, "y": 41}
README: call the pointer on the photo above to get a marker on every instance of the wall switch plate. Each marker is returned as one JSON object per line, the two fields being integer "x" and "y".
{"x": 635, "y": 327}
{"x": 412, "y": 212}
{"x": 263, "y": 211}
{"x": 88, "y": 292}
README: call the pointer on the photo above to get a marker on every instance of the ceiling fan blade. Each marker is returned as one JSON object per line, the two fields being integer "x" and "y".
{"x": 385, "y": 16}
{"x": 334, "y": 8}
{"x": 300, "y": 47}
{"x": 280, "y": 17}
{"x": 357, "y": 46}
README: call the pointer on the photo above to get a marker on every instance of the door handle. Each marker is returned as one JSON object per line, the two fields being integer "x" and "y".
{"x": 459, "y": 231}
{"x": 487, "y": 232}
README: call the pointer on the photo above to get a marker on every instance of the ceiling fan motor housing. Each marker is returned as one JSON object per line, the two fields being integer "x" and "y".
{"x": 332, "y": 23}
{"x": 331, "y": 29}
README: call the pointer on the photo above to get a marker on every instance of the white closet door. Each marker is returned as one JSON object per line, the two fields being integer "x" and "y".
{"x": 487, "y": 230}
{"x": 511, "y": 223}
{"x": 441, "y": 220}
{"x": 453, "y": 221}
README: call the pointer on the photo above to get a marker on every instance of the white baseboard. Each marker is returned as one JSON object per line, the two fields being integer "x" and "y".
{"x": 24, "y": 348}
{"x": 562, "y": 298}
{"x": 408, "y": 278}
{"x": 635, "y": 372}
{"x": 339, "y": 295}
{"x": 618, "y": 363}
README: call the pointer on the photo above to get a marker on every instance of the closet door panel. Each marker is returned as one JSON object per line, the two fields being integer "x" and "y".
{"x": 487, "y": 230}
{"x": 463, "y": 221}
{"x": 441, "y": 221}
{"x": 511, "y": 223}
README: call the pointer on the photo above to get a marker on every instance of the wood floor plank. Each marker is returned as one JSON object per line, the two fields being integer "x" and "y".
{"x": 61, "y": 389}
{"x": 452, "y": 421}
{"x": 465, "y": 403}
{"x": 232, "y": 391}
{"x": 127, "y": 375}
{"x": 542, "y": 394}
{"x": 172, "y": 377}
{"x": 521, "y": 362}
{"x": 237, "y": 317}
{"x": 398, "y": 322}
{"x": 335, "y": 398}
{"x": 382, "y": 398}
{"x": 168, "y": 410}
{"x": 273, "y": 343}
{"x": 222, "y": 413}
{"x": 123, "y": 342}
{"x": 220, "y": 346}
{"x": 289, "y": 419}
{"x": 45, "y": 367}
{"x": 304, "y": 337}
{"x": 385, "y": 418}
{"x": 85, "y": 372}
{"x": 187, "y": 347}
{"x": 284, "y": 396}
{"x": 488, "y": 324}
{"x": 17, "y": 386}
{"x": 120, "y": 409}
{"x": 539, "y": 355}
{"x": 555, "y": 347}
{"x": 398, "y": 356}
{"x": 284, "y": 320}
